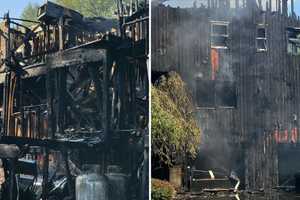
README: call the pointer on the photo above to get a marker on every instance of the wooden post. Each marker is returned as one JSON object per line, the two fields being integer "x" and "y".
{"x": 6, "y": 102}
{"x": 132, "y": 84}
{"x": 68, "y": 172}
{"x": 45, "y": 174}
{"x": 50, "y": 100}
{"x": 107, "y": 64}
{"x": 61, "y": 33}
{"x": 6, "y": 84}
{"x": 12, "y": 176}
{"x": 61, "y": 95}
{"x": 122, "y": 92}
{"x": 93, "y": 69}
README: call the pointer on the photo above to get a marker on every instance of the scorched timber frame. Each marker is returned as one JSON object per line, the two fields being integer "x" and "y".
{"x": 78, "y": 97}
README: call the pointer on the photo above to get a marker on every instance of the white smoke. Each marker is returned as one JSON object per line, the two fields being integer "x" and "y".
{"x": 191, "y": 3}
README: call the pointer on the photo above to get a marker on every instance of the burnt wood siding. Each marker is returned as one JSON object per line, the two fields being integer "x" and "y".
{"x": 266, "y": 83}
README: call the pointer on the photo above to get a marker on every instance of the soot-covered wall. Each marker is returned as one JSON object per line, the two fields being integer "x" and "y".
{"x": 247, "y": 94}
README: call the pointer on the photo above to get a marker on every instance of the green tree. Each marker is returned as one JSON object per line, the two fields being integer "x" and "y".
{"x": 173, "y": 127}
{"x": 30, "y": 13}
{"x": 91, "y": 8}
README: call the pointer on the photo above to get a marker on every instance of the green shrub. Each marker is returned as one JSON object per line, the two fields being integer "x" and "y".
{"x": 174, "y": 127}
{"x": 161, "y": 190}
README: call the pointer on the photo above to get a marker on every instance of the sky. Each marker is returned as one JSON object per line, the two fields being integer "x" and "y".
{"x": 15, "y": 7}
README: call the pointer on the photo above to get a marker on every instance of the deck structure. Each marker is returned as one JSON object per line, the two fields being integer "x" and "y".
{"x": 76, "y": 84}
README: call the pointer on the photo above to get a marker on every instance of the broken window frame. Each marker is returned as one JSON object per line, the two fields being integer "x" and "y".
{"x": 218, "y": 95}
{"x": 261, "y": 38}
{"x": 293, "y": 40}
{"x": 223, "y": 36}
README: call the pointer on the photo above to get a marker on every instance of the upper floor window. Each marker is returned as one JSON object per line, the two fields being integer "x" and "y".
{"x": 218, "y": 93}
{"x": 219, "y": 34}
{"x": 293, "y": 40}
{"x": 261, "y": 38}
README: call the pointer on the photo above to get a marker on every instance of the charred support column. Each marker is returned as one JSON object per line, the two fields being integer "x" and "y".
{"x": 107, "y": 65}
{"x": 61, "y": 33}
{"x": 145, "y": 183}
{"x": 45, "y": 173}
{"x": 7, "y": 76}
{"x": 50, "y": 101}
{"x": 6, "y": 102}
{"x": 61, "y": 96}
{"x": 132, "y": 104}
{"x": 93, "y": 69}
{"x": 50, "y": 131}
{"x": 122, "y": 92}
{"x": 12, "y": 176}
{"x": 69, "y": 176}
{"x": 20, "y": 105}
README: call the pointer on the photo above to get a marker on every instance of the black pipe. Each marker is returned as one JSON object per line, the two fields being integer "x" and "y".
{"x": 23, "y": 20}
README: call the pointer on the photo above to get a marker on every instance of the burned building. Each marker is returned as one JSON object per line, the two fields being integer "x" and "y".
{"x": 241, "y": 62}
{"x": 75, "y": 95}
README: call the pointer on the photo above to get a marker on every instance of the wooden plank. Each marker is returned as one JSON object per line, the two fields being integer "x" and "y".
{"x": 74, "y": 57}
{"x": 63, "y": 59}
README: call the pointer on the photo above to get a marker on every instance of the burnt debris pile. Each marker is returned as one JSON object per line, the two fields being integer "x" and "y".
{"x": 74, "y": 106}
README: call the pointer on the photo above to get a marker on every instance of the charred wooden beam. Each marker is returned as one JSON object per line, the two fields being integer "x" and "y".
{"x": 72, "y": 57}
{"x": 55, "y": 144}
{"x": 31, "y": 71}
{"x": 63, "y": 59}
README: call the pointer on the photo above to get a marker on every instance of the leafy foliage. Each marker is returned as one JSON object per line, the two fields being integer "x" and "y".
{"x": 30, "y": 13}
{"x": 161, "y": 190}
{"x": 88, "y": 8}
{"x": 174, "y": 128}
{"x": 91, "y": 8}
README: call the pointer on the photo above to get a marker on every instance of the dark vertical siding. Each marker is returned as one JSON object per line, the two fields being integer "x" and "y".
{"x": 266, "y": 83}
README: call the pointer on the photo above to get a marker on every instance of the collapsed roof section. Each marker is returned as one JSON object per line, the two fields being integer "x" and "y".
{"x": 50, "y": 14}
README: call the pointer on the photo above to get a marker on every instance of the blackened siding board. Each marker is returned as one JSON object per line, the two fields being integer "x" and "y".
{"x": 266, "y": 83}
